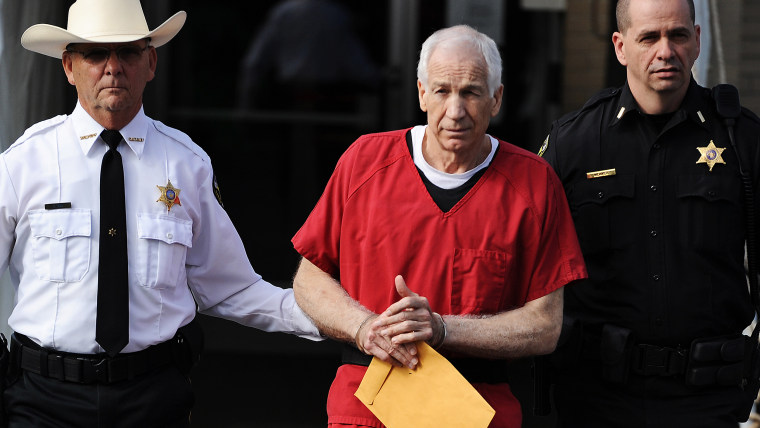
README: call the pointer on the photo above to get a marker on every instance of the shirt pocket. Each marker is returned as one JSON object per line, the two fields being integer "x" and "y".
{"x": 602, "y": 210}
{"x": 710, "y": 213}
{"x": 61, "y": 243}
{"x": 479, "y": 280}
{"x": 161, "y": 249}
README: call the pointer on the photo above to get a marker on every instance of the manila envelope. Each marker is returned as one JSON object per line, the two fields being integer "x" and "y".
{"x": 434, "y": 395}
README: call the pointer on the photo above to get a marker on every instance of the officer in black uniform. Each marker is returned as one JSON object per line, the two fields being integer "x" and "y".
{"x": 653, "y": 337}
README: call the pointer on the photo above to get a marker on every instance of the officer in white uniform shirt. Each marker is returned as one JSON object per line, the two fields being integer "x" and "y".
{"x": 183, "y": 253}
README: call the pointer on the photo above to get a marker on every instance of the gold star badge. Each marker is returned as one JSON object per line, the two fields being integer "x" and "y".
{"x": 711, "y": 155}
{"x": 112, "y": 232}
{"x": 169, "y": 195}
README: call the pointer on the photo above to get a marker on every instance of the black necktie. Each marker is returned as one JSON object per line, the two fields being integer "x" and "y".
{"x": 112, "y": 324}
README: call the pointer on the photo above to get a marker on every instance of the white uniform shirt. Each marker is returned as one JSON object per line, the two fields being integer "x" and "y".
{"x": 177, "y": 257}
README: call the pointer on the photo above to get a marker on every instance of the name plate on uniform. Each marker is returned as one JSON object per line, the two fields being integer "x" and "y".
{"x": 602, "y": 173}
{"x": 58, "y": 206}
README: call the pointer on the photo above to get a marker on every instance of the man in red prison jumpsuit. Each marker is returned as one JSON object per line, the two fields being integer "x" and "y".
{"x": 478, "y": 229}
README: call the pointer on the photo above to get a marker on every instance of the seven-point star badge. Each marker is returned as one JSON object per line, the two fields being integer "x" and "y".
{"x": 711, "y": 155}
{"x": 169, "y": 195}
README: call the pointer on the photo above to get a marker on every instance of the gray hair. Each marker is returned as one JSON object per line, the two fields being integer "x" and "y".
{"x": 464, "y": 33}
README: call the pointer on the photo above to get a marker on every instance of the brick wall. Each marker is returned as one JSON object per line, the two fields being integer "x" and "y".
{"x": 749, "y": 72}
{"x": 587, "y": 44}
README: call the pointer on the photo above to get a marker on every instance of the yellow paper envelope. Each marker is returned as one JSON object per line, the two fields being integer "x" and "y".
{"x": 434, "y": 395}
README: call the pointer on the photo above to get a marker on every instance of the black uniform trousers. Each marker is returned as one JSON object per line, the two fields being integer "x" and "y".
{"x": 584, "y": 400}
{"x": 161, "y": 398}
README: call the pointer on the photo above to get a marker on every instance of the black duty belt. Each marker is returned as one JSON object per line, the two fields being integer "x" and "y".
{"x": 645, "y": 359}
{"x": 94, "y": 368}
{"x": 653, "y": 360}
{"x": 705, "y": 361}
{"x": 475, "y": 370}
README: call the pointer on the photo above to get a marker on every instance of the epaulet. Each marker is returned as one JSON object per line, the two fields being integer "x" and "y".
{"x": 592, "y": 102}
{"x": 750, "y": 115}
{"x": 182, "y": 138}
{"x": 40, "y": 127}
{"x": 600, "y": 96}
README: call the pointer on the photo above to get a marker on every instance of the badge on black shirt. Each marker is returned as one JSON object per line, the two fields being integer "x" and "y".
{"x": 711, "y": 155}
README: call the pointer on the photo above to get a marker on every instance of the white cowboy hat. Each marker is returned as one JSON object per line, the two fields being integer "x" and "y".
{"x": 100, "y": 21}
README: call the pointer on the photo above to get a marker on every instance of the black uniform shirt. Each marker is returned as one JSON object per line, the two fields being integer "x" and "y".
{"x": 663, "y": 237}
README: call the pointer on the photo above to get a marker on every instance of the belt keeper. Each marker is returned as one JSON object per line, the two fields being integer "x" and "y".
{"x": 100, "y": 370}
{"x": 59, "y": 368}
{"x": 177, "y": 350}
{"x": 73, "y": 369}
{"x": 137, "y": 365}
{"x": 43, "y": 362}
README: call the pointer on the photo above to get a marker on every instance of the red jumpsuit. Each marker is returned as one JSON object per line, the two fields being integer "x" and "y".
{"x": 508, "y": 241}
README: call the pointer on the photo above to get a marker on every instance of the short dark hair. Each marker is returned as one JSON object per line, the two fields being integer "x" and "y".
{"x": 623, "y": 16}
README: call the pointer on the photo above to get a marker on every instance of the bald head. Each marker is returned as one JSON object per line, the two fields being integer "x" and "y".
{"x": 623, "y": 15}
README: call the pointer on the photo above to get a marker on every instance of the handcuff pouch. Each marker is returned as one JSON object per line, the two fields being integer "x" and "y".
{"x": 616, "y": 350}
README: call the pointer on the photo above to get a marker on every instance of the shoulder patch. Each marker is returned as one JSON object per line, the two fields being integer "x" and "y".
{"x": 545, "y": 144}
{"x": 217, "y": 192}
{"x": 601, "y": 96}
{"x": 40, "y": 127}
